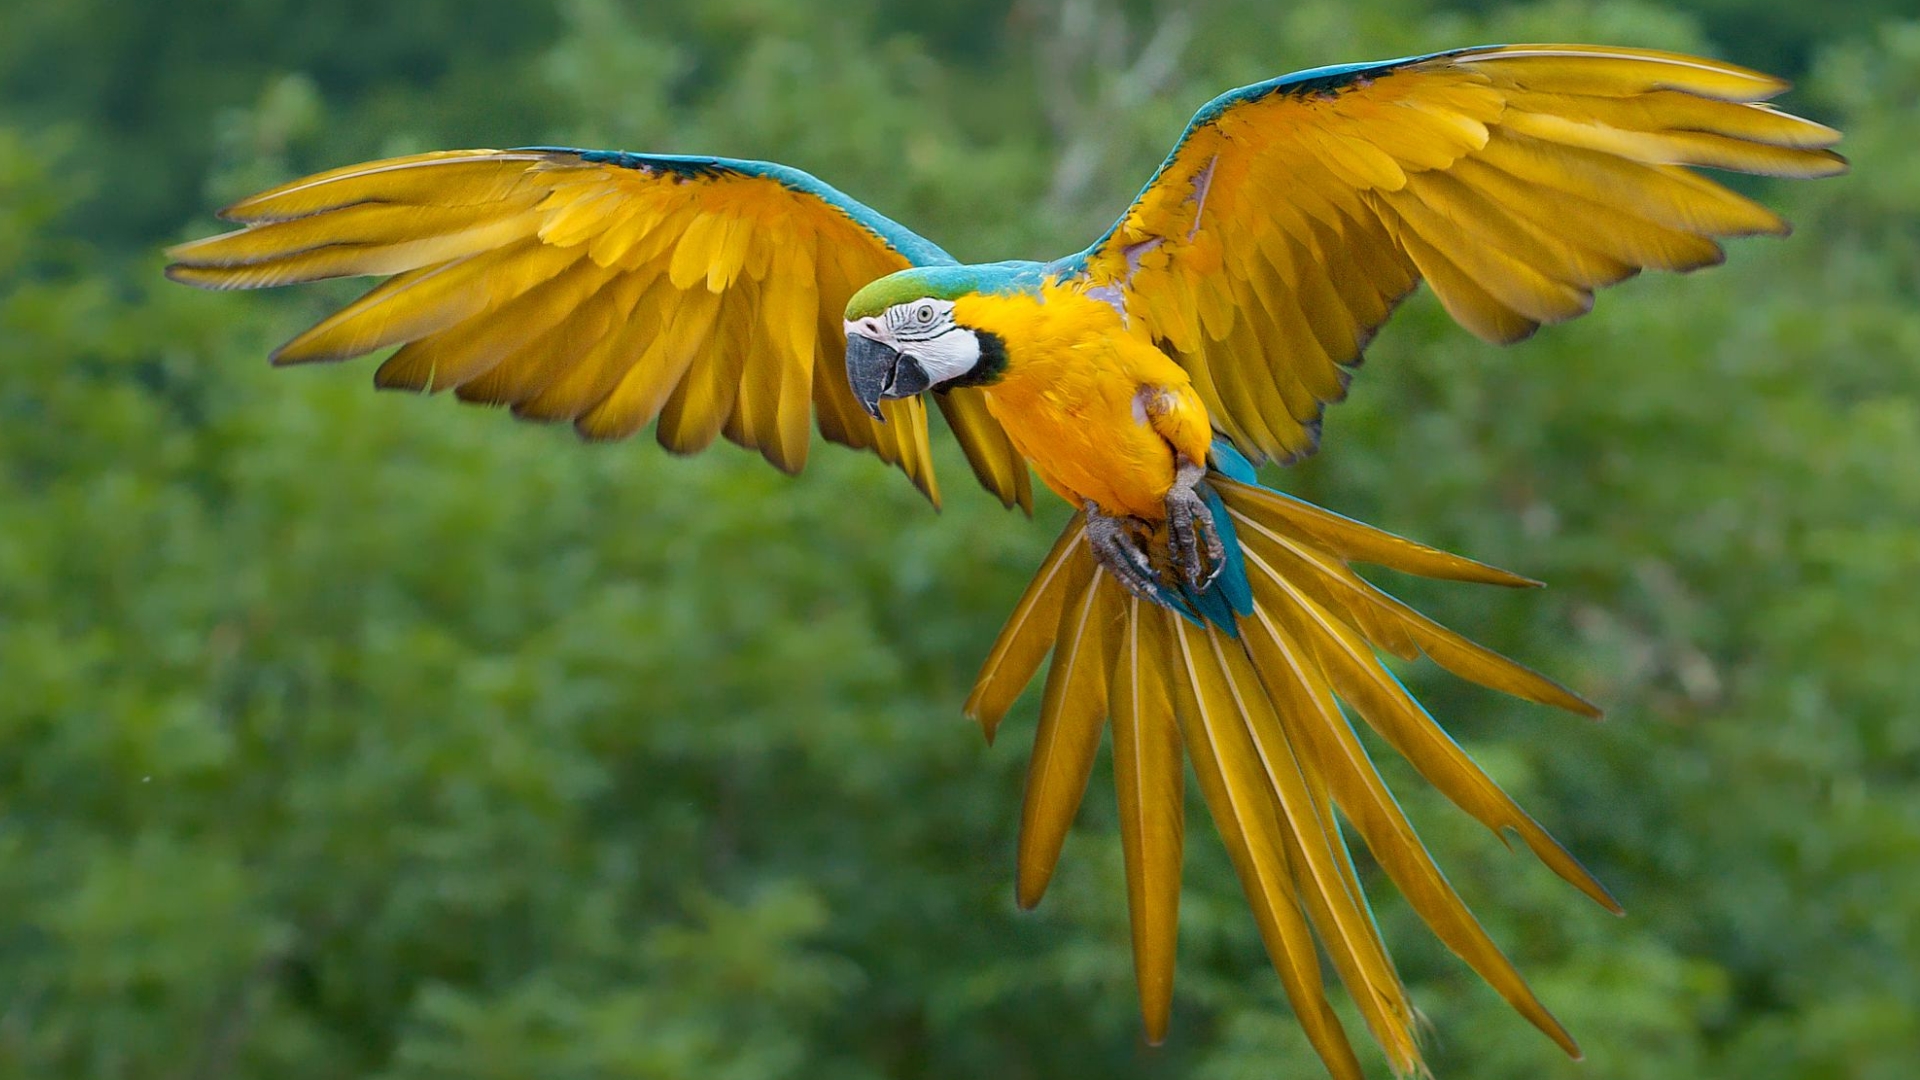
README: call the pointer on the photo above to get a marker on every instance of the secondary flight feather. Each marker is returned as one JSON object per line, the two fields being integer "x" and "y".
{"x": 1142, "y": 380}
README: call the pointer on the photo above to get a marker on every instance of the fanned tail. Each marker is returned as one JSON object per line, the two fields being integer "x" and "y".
{"x": 1257, "y": 698}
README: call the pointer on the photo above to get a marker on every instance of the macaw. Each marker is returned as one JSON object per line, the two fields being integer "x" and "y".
{"x": 1187, "y": 604}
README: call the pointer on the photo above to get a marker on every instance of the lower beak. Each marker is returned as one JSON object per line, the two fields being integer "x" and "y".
{"x": 876, "y": 371}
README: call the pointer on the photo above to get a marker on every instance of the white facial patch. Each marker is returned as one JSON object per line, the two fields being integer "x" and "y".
{"x": 949, "y": 356}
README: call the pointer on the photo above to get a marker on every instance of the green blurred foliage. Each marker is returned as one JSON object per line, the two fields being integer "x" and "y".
{"x": 349, "y": 735}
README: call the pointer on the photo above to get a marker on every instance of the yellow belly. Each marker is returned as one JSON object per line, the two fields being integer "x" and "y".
{"x": 1072, "y": 401}
{"x": 1087, "y": 446}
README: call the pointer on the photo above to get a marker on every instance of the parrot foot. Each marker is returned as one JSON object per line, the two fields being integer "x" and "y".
{"x": 1119, "y": 543}
{"x": 1194, "y": 553}
{"x": 1191, "y": 530}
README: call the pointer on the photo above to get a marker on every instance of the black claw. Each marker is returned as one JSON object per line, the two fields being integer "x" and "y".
{"x": 1117, "y": 544}
{"x": 1194, "y": 549}
{"x": 1191, "y": 530}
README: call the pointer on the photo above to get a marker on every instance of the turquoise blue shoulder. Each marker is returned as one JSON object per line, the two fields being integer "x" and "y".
{"x": 915, "y": 248}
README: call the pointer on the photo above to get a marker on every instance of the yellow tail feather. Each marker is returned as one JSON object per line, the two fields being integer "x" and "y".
{"x": 1072, "y": 713}
{"x": 1264, "y": 718}
{"x": 1148, "y": 782}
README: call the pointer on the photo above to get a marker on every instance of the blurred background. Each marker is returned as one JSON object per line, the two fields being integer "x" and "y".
{"x": 350, "y": 735}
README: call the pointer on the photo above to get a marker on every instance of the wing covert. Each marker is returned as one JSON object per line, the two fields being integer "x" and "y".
{"x": 1294, "y": 215}
{"x": 608, "y": 289}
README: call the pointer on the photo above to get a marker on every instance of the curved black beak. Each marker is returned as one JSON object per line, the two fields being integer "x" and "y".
{"x": 877, "y": 371}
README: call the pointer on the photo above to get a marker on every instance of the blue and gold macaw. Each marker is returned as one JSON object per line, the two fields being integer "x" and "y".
{"x": 1142, "y": 379}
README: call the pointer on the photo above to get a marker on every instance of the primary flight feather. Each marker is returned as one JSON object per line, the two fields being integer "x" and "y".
{"x": 1142, "y": 379}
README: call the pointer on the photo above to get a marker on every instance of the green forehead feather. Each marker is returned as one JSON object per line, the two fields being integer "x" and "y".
{"x": 943, "y": 283}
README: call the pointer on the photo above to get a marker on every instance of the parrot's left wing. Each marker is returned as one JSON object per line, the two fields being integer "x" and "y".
{"x": 1294, "y": 214}
{"x": 604, "y": 288}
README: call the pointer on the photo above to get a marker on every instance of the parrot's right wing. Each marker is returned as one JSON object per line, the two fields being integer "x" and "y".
{"x": 603, "y": 288}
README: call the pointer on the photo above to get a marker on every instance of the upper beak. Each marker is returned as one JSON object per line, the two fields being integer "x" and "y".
{"x": 877, "y": 371}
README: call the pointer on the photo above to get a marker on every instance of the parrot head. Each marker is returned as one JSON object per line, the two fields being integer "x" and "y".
{"x": 903, "y": 339}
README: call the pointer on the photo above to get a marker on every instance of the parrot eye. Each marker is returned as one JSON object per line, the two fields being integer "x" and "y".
{"x": 924, "y": 316}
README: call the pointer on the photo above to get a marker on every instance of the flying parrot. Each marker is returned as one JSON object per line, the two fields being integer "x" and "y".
{"x": 1187, "y": 605}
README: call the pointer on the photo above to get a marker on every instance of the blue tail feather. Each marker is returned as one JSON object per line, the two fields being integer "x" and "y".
{"x": 1232, "y": 582}
{"x": 1231, "y": 463}
{"x": 1183, "y": 603}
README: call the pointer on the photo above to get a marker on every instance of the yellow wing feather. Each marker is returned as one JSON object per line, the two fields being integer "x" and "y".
{"x": 998, "y": 466}
{"x": 1514, "y": 180}
{"x": 606, "y": 290}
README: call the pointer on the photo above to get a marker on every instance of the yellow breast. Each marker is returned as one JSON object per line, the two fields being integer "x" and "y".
{"x": 1075, "y": 399}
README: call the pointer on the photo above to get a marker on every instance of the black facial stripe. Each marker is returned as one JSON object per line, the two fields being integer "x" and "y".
{"x": 919, "y": 331}
{"x": 993, "y": 363}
